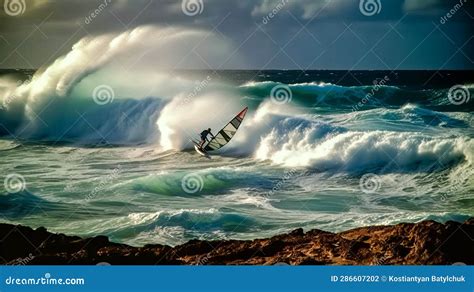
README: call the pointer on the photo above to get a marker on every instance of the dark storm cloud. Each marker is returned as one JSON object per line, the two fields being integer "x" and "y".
{"x": 302, "y": 34}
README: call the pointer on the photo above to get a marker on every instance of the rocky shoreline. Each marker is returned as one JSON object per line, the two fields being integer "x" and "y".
{"x": 423, "y": 243}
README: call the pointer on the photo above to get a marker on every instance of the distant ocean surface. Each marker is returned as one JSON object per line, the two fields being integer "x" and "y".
{"x": 333, "y": 150}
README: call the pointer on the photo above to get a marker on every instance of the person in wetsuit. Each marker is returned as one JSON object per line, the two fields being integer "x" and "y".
{"x": 204, "y": 135}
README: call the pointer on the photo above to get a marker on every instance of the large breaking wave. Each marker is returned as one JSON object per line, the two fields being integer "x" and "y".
{"x": 396, "y": 129}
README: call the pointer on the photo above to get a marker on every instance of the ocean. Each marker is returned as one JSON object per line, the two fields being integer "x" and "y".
{"x": 102, "y": 154}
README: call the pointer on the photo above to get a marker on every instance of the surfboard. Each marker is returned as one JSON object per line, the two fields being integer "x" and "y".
{"x": 199, "y": 150}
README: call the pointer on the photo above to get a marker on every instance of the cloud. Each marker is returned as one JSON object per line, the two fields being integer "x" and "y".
{"x": 304, "y": 9}
{"x": 64, "y": 24}
{"x": 420, "y": 5}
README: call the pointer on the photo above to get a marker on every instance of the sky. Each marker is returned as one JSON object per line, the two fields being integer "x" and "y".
{"x": 258, "y": 34}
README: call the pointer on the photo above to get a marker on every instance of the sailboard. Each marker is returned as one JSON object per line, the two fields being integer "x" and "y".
{"x": 201, "y": 152}
{"x": 224, "y": 135}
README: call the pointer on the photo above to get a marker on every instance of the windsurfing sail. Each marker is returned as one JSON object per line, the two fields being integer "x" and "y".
{"x": 223, "y": 136}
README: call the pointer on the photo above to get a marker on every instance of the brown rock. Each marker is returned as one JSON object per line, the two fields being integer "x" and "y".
{"x": 426, "y": 242}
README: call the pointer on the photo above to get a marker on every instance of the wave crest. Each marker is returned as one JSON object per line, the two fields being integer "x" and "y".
{"x": 362, "y": 151}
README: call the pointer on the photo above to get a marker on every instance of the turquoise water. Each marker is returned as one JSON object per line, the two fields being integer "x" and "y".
{"x": 321, "y": 158}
